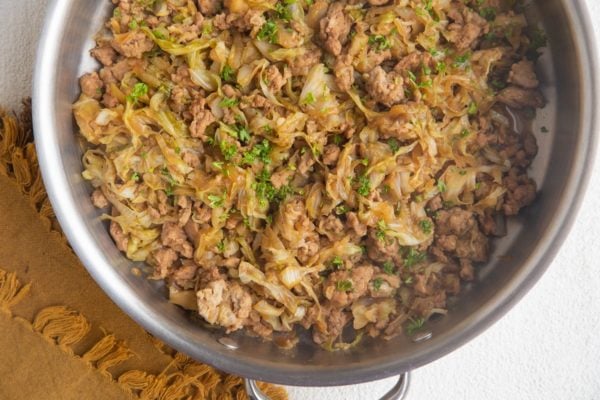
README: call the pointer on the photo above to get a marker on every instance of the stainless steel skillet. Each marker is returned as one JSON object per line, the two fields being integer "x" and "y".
{"x": 570, "y": 83}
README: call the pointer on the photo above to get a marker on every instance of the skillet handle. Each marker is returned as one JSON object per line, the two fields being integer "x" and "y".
{"x": 398, "y": 392}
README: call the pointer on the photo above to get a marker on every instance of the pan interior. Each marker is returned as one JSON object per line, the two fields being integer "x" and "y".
{"x": 516, "y": 263}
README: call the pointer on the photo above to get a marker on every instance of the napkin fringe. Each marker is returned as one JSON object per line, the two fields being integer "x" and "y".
{"x": 184, "y": 378}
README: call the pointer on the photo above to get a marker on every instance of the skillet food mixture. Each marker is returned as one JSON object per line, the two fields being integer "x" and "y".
{"x": 339, "y": 166}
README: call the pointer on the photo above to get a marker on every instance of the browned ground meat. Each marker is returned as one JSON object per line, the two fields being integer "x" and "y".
{"x": 344, "y": 72}
{"x": 106, "y": 55}
{"x": 523, "y": 74}
{"x": 335, "y": 28}
{"x": 388, "y": 88}
{"x": 339, "y": 165}
{"x": 516, "y": 97}
{"x": 91, "y": 85}
{"x": 132, "y": 44}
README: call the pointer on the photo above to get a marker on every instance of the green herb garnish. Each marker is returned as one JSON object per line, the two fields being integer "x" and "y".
{"x": 377, "y": 282}
{"x": 344, "y": 285}
{"x": 414, "y": 325}
{"x": 389, "y": 268}
{"x": 268, "y": 32}
{"x": 379, "y": 42}
{"x": 140, "y": 89}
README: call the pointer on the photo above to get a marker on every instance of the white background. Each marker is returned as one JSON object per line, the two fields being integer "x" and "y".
{"x": 547, "y": 347}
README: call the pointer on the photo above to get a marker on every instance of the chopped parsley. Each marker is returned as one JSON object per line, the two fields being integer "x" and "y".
{"x": 440, "y": 67}
{"x": 441, "y": 186}
{"x": 412, "y": 257}
{"x": 472, "y": 110}
{"x": 337, "y": 262}
{"x": 462, "y": 61}
{"x": 308, "y": 99}
{"x": 537, "y": 40}
{"x": 364, "y": 185}
{"x": 216, "y": 201}
{"x": 380, "y": 231}
{"x": 389, "y": 268}
{"x": 221, "y": 246}
{"x": 498, "y": 84}
{"x": 464, "y": 133}
{"x": 140, "y": 89}
{"x": 266, "y": 192}
{"x": 379, "y": 42}
{"x": 394, "y": 144}
{"x": 344, "y": 285}
{"x": 159, "y": 34}
{"x": 283, "y": 12}
{"x": 227, "y": 102}
{"x": 412, "y": 77}
{"x": 338, "y": 139}
{"x": 426, "y": 226}
{"x": 133, "y": 25}
{"x": 488, "y": 13}
{"x": 227, "y": 73}
{"x": 414, "y": 325}
{"x": 268, "y": 32}
{"x": 377, "y": 282}
{"x": 228, "y": 150}
{"x": 260, "y": 151}
{"x": 341, "y": 210}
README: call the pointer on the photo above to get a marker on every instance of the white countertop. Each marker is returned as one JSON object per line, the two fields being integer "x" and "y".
{"x": 547, "y": 347}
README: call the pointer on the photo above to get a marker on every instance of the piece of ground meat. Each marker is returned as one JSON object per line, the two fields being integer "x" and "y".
{"x": 105, "y": 54}
{"x": 251, "y": 21}
{"x": 331, "y": 154}
{"x": 458, "y": 235}
{"x": 335, "y": 320}
{"x": 91, "y": 85}
{"x": 120, "y": 238}
{"x": 414, "y": 61}
{"x": 164, "y": 258}
{"x": 174, "y": 237}
{"x": 224, "y": 303}
{"x": 387, "y": 89}
{"x": 301, "y": 64}
{"x": 275, "y": 79}
{"x": 517, "y": 97}
{"x": 358, "y": 227}
{"x": 209, "y": 8}
{"x": 109, "y": 101}
{"x": 98, "y": 199}
{"x": 192, "y": 230}
{"x": 306, "y": 163}
{"x": 132, "y": 44}
{"x": 335, "y": 28}
{"x": 344, "y": 72}
{"x": 383, "y": 248}
{"x": 384, "y": 285}
{"x": 203, "y": 118}
{"x": 520, "y": 191}
{"x": 343, "y": 287}
{"x": 281, "y": 178}
{"x": 332, "y": 227}
{"x": 422, "y": 306}
{"x": 523, "y": 74}
{"x": 184, "y": 276}
{"x": 466, "y": 28}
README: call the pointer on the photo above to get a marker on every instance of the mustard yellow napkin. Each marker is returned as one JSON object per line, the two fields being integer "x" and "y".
{"x": 61, "y": 337}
